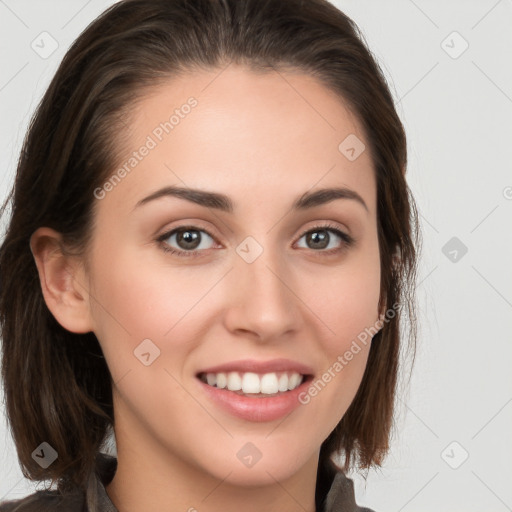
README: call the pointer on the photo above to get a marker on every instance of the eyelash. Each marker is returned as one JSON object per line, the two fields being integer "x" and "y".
{"x": 347, "y": 240}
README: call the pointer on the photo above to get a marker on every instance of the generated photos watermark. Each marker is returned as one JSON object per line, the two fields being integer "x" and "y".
{"x": 343, "y": 360}
{"x": 152, "y": 140}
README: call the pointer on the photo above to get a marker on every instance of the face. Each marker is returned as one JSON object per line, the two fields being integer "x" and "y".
{"x": 254, "y": 292}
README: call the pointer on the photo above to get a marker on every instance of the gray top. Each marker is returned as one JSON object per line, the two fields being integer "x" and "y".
{"x": 340, "y": 497}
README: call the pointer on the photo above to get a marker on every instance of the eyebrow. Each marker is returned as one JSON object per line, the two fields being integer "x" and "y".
{"x": 225, "y": 204}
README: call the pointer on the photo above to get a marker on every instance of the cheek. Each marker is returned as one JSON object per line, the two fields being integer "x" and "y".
{"x": 352, "y": 317}
{"x": 137, "y": 299}
{"x": 347, "y": 300}
{"x": 345, "y": 353}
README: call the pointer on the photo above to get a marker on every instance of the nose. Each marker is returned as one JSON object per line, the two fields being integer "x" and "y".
{"x": 263, "y": 299}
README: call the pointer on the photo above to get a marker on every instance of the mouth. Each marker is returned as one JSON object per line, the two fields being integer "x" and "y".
{"x": 255, "y": 385}
{"x": 255, "y": 390}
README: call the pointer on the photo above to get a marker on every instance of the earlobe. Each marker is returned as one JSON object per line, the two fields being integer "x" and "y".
{"x": 62, "y": 281}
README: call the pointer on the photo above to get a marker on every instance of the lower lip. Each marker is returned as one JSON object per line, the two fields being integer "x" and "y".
{"x": 256, "y": 409}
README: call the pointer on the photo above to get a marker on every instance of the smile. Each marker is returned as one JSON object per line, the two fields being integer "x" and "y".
{"x": 255, "y": 391}
{"x": 250, "y": 383}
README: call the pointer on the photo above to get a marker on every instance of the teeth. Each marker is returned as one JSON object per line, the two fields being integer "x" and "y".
{"x": 294, "y": 381}
{"x": 283, "y": 382}
{"x": 222, "y": 380}
{"x": 269, "y": 384}
{"x": 234, "y": 381}
{"x": 253, "y": 383}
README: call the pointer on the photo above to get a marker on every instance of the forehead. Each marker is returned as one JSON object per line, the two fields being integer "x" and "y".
{"x": 256, "y": 136}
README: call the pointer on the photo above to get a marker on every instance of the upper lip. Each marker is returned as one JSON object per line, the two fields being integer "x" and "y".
{"x": 252, "y": 365}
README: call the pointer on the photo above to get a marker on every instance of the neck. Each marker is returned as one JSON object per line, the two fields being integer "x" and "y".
{"x": 143, "y": 484}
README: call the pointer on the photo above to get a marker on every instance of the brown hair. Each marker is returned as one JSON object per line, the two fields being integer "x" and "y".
{"x": 57, "y": 384}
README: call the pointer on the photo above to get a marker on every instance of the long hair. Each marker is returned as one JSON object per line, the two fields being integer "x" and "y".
{"x": 56, "y": 383}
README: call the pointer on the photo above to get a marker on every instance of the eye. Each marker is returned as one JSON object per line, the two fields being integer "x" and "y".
{"x": 189, "y": 239}
{"x": 319, "y": 239}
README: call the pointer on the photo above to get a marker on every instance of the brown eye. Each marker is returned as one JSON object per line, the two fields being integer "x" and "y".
{"x": 326, "y": 239}
{"x": 186, "y": 239}
{"x": 319, "y": 239}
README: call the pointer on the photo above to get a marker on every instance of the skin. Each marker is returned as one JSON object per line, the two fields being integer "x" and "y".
{"x": 263, "y": 140}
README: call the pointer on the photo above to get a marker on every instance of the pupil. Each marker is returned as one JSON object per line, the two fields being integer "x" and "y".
{"x": 323, "y": 238}
{"x": 190, "y": 238}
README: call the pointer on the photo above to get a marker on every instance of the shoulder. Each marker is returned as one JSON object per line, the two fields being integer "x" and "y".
{"x": 341, "y": 496}
{"x": 43, "y": 501}
{"x": 55, "y": 501}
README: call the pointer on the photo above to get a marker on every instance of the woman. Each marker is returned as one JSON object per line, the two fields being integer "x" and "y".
{"x": 211, "y": 246}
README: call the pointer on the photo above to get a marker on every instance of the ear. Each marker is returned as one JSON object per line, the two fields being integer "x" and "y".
{"x": 63, "y": 281}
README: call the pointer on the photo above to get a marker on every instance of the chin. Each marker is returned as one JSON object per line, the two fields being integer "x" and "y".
{"x": 259, "y": 462}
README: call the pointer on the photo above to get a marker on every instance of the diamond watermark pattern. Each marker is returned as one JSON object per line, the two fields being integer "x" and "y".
{"x": 146, "y": 352}
{"x": 249, "y": 250}
{"x": 44, "y": 455}
{"x": 454, "y": 455}
{"x": 249, "y": 455}
{"x": 454, "y": 45}
{"x": 351, "y": 147}
{"x": 44, "y": 45}
{"x": 454, "y": 249}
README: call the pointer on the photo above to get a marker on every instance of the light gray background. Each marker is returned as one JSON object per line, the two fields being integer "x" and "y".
{"x": 457, "y": 110}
